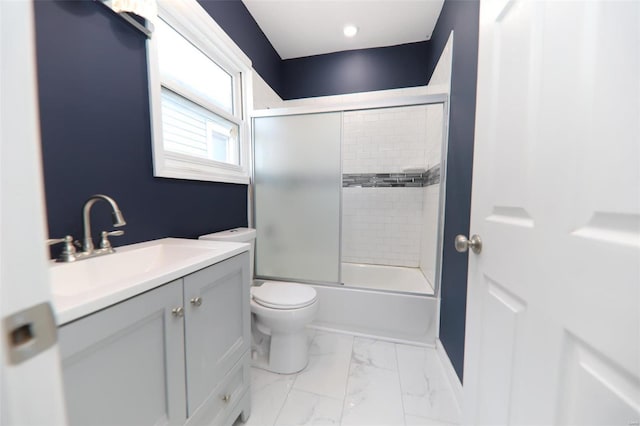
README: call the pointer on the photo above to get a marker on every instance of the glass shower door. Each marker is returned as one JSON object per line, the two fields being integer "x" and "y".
{"x": 297, "y": 196}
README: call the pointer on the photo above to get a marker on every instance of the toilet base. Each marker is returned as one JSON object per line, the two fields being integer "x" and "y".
{"x": 282, "y": 354}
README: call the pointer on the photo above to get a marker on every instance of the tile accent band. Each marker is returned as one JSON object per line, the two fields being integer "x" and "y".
{"x": 392, "y": 180}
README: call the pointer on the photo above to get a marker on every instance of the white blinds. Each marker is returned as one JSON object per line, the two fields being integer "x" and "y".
{"x": 193, "y": 130}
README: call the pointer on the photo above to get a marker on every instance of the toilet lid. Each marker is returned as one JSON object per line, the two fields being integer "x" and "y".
{"x": 283, "y": 295}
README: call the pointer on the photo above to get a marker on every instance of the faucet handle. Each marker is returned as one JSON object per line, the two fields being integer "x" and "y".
{"x": 105, "y": 243}
{"x": 68, "y": 253}
{"x": 52, "y": 241}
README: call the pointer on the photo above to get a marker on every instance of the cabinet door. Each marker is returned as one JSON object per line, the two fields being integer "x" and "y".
{"x": 124, "y": 365}
{"x": 217, "y": 323}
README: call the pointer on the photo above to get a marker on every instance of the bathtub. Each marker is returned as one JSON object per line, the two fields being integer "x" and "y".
{"x": 395, "y": 317}
{"x": 383, "y": 302}
{"x": 380, "y": 277}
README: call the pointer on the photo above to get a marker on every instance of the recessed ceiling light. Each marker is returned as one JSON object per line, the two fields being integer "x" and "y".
{"x": 350, "y": 30}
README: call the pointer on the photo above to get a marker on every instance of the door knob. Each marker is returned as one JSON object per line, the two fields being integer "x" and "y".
{"x": 196, "y": 301}
{"x": 178, "y": 312}
{"x": 462, "y": 244}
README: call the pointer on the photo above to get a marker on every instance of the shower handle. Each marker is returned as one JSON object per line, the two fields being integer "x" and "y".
{"x": 462, "y": 244}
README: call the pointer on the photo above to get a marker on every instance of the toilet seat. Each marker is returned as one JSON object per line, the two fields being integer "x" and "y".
{"x": 283, "y": 295}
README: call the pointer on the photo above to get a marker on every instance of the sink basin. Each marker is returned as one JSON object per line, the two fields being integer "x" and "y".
{"x": 122, "y": 266}
{"x": 82, "y": 287}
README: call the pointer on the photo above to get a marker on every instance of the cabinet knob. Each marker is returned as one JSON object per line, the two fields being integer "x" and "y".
{"x": 196, "y": 301}
{"x": 226, "y": 398}
{"x": 178, "y": 312}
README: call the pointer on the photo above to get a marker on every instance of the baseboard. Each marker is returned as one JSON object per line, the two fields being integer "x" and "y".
{"x": 454, "y": 381}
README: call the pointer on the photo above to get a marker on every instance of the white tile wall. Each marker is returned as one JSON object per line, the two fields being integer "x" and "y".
{"x": 387, "y": 140}
{"x": 382, "y": 225}
{"x": 433, "y": 138}
{"x": 428, "y": 250}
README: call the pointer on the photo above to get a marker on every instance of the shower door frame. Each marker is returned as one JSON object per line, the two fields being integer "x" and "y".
{"x": 391, "y": 102}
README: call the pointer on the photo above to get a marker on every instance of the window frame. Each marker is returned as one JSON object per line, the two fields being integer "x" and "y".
{"x": 189, "y": 19}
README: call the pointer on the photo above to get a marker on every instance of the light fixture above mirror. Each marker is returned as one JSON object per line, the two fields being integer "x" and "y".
{"x": 139, "y": 13}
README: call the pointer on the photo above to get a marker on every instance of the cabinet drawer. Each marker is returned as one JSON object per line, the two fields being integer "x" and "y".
{"x": 224, "y": 397}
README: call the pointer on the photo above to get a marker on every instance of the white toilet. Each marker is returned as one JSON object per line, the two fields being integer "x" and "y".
{"x": 280, "y": 311}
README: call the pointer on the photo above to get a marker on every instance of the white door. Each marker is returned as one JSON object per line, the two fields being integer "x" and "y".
{"x": 30, "y": 378}
{"x": 553, "y": 323}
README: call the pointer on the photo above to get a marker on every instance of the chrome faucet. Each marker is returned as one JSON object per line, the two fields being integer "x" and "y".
{"x": 69, "y": 253}
{"x": 116, "y": 216}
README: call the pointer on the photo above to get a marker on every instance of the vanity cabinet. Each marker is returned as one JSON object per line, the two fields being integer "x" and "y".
{"x": 217, "y": 336}
{"x": 177, "y": 354}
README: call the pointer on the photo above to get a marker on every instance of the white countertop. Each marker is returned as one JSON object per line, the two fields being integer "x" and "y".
{"x": 86, "y": 286}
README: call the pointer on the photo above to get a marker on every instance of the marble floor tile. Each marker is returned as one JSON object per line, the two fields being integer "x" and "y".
{"x": 304, "y": 408}
{"x": 268, "y": 394}
{"x": 425, "y": 388}
{"x": 410, "y": 420}
{"x": 356, "y": 381}
{"x": 329, "y": 359}
{"x": 374, "y": 353}
{"x": 373, "y": 397}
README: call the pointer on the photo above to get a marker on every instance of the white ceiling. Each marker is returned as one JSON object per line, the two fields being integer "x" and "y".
{"x": 298, "y": 28}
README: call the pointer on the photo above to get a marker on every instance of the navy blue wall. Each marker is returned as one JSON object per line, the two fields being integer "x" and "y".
{"x": 94, "y": 114}
{"x": 355, "y": 71}
{"x": 234, "y": 18}
{"x": 461, "y": 17}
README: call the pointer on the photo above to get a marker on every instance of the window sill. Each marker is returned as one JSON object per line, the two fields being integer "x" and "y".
{"x": 178, "y": 168}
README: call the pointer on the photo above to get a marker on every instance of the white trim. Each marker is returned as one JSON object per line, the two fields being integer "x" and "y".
{"x": 190, "y": 19}
{"x": 186, "y": 167}
{"x": 193, "y": 20}
{"x": 450, "y": 372}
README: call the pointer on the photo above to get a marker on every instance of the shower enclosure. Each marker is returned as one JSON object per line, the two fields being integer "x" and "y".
{"x": 352, "y": 197}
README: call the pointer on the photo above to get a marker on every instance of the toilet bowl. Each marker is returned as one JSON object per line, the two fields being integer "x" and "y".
{"x": 280, "y": 311}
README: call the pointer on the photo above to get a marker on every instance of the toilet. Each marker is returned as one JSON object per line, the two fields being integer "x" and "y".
{"x": 280, "y": 311}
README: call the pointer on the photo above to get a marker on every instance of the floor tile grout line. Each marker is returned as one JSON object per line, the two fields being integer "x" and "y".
{"x": 313, "y": 393}
{"x": 284, "y": 402}
{"x": 346, "y": 383}
{"x": 404, "y": 412}
{"x": 317, "y": 394}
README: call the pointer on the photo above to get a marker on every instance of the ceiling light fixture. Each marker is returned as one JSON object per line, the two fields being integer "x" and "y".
{"x": 350, "y": 30}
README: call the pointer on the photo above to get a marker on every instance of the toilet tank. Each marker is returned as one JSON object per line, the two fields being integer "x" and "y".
{"x": 236, "y": 235}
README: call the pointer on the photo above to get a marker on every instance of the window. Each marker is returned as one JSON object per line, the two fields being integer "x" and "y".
{"x": 199, "y": 82}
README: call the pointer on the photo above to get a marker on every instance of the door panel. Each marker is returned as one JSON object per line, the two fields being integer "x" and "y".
{"x": 504, "y": 313}
{"x": 556, "y": 200}
{"x": 595, "y": 391}
{"x": 124, "y": 365}
{"x": 298, "y": 189}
